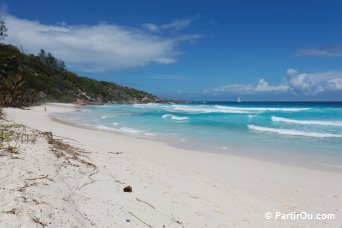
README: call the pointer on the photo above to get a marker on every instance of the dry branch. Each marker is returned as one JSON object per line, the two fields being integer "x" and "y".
{"x": 140, "y": 219}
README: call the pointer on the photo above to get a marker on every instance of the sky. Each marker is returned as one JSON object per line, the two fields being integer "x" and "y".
{"x": 195, "y": 50}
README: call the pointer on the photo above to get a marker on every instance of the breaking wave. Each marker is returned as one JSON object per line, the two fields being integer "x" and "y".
{"x": 307, "y": 122}
{"x": 293, "y": 132}
{"x": 174, "y": 117}
{"x": 229, "y": 109}
{"x": 126, "y": 130}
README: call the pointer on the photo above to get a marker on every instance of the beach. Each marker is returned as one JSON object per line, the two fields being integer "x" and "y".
{"x": 171, "y": 186}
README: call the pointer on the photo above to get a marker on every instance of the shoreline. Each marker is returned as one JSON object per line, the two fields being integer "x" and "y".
{"x": 197, "y": 188}
{"x": 291, "y": 162}
{"x": 294, "y": 159}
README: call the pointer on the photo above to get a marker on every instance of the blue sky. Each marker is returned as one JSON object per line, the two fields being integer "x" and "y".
{"x": 199, "y": 50}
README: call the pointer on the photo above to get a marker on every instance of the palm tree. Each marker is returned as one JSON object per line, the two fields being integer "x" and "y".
{"x": 12, "y": 91}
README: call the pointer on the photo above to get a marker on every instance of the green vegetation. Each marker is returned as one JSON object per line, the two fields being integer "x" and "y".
{"x": 12, "y": 136}
{"x": 26, "y": 79}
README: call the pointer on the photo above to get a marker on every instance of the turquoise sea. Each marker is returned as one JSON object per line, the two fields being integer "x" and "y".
{"x": 307, "y": 134}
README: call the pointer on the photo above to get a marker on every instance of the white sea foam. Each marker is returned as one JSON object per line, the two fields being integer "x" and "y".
{"x": 62, "y": 104}
{"x": 165, "y": 116}
{"x": 130, "y": 130}
{"x": 261, "y": 109}
{"x": 102, "y": 127}
{"x": 204, "y": 109}
{"x": 126, "y": 130}
{"x": 183, "y": 140}
{"x": 307, "y": 122}
{"x": 150, "y": 134}
{"x": 179, "y": 117}
{"x": 103, "y": 117}
{"x": 174, "y": 117}
{"x": 293, "y": 132}
{"x": 115, "y": 123}
{"x": 228, "y": 109}
{"x": 251, "y": 116}
{"x": 148, "y": 105}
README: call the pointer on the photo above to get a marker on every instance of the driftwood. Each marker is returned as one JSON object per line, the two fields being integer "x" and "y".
{"x": 37, "y": 220}
{"x": 146, "y": 203}
{"x": 115, "y": 152}
{"x": 38, "y": 178}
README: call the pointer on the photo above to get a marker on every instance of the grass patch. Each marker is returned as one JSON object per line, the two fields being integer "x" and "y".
{"x": 12, "y": 135}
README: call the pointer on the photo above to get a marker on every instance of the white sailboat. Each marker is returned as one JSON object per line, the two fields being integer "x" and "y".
{"x": 238, "y": 100}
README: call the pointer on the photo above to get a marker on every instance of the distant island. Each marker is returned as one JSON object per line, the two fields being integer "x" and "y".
{"x": 26, "y": 79}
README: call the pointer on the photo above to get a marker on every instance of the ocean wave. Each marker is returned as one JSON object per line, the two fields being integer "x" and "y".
{"x": 293, "y": 132}
{"x": 228, "y": 109}
{"x": 174, "y": 117}
{"x": 102, "y": 127}
{"x": 126, "y": 130}
{"x": 183, "y": 140}
{"x": 179, "y": 118}
{"x": 205, "y": 109}
{"x": 251, "y": 116}
{"x": 103, "y": 117}
{"x": 261, "y": 109}
{"x": 148, "y": 105}
{"x": 62, "y": 104}
{"x": 307, "y": 122}
{"x": 130, "y": 130}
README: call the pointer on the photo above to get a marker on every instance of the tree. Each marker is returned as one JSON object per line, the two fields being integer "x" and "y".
{"x": 12, "y": 91}
{"x": 3, "y": 30}
{"x": 9, "y": 66}
{"x": 50, "y": 61}
{"x": 42, "y": 55}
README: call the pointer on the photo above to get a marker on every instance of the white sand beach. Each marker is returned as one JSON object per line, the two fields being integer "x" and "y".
{"x": 172, "y": 187}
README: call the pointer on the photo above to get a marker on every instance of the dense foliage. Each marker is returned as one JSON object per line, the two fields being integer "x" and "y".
{"x": 28, "y": 78}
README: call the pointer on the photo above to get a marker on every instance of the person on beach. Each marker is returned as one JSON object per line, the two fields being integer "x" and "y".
{"x": 45, "y": 110}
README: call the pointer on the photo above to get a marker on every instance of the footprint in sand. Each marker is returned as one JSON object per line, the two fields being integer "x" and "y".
{"x": 166, "y": 194}
{"x": 219, "y": 212}
{"x": 199, "y": 214}
{"x": 223, "y": 226}
{"x": 177, "y": 203}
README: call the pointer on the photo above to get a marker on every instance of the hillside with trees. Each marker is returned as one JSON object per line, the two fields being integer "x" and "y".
{"x": 26, "y": 79}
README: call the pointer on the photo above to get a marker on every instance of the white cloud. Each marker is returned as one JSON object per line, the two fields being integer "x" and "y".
{"x": 335, "y": 84}
{"x": 324, "y": 76}
{"x": 263, "y": 86}
{"x": 327, "y": 51}
{"x": 302, "y": 83}
{"x": 97, "y": 48}
{"x": 308, "y": 84}
{"x": 314, "y": 83}
{"x": 151, "y": 27}
{"x": 291, "y": 71}
{"x": 233, "y": 88}
{"x": 176, "y": 25}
